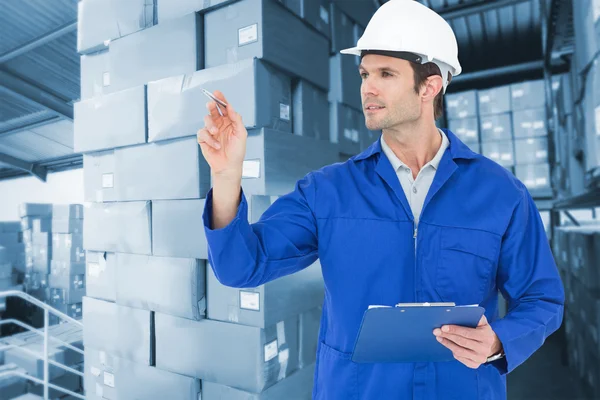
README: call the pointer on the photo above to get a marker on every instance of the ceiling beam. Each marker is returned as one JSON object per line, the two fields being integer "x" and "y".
{"x": 20, "y": 127}
{"x": 495, "y": 72}
{"x": 483, "y": 6}
{"x": 33, "y": 94}
{"x": 39, "y": 41}
{"x": 29, "y": 167}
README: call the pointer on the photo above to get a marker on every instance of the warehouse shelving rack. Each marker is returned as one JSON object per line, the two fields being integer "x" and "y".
{"x": 558, "y": 46}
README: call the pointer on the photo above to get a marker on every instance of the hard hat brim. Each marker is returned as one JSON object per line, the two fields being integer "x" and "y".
{"x": 352, "y": 50}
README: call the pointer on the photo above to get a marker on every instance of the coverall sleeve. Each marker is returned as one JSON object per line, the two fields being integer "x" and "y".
{"x": 282, "y": 242}
{"x": 529, "y": 280}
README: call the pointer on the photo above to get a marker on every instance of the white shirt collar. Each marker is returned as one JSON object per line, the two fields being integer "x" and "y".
{"x": 397, "y": 163}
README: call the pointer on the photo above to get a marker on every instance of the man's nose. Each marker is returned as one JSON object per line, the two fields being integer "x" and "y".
{"x": 368, "y": 88}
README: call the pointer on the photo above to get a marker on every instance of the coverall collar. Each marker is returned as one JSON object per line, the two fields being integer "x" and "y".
{"x": 457, "y": 148}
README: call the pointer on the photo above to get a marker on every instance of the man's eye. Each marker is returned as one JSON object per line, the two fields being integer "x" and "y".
{"x": 386, "y": 74}
{"x": 363, "y": 75}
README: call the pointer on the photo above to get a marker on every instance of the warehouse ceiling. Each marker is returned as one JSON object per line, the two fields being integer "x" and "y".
{"x": 39, "y": 68}
{"x": 39, "y": 80}
{"x": 493, "y": 34}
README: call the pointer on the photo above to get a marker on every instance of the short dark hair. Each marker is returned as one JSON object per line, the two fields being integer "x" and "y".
{"x": 421, "y": 73}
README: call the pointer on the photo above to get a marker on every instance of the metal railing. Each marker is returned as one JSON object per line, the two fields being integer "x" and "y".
{"x": 46, "y": 337}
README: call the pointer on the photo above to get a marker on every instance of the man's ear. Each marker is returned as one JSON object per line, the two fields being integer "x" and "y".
{"x": 433, "y": 86}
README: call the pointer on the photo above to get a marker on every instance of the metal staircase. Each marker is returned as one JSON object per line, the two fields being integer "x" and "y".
{"x": 48, "y": 310}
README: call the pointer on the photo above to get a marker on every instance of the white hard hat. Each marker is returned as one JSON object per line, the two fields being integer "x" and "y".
{"x": 407, "y": 29}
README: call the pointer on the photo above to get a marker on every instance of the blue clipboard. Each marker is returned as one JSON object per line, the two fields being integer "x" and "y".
{"x": 405, "y": 333}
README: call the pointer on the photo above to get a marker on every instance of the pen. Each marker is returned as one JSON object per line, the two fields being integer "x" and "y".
{"x": 212, "y": 97}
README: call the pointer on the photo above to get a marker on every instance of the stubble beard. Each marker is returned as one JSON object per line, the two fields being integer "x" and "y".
{"x": 390, "y": 119}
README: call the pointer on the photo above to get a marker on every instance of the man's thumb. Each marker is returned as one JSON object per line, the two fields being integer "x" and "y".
{"x": 483, "y": 321}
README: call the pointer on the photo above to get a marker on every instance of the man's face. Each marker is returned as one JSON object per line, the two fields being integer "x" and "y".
{"x": 388, "y": 85}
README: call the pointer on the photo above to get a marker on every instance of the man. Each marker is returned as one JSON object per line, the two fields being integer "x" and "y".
{"x": 417, "y": 217}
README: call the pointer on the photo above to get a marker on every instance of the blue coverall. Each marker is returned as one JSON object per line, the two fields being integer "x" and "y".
{"x": 479, "y": 233}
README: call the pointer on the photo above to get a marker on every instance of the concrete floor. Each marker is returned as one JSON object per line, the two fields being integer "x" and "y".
{"x": 545, "y": 377}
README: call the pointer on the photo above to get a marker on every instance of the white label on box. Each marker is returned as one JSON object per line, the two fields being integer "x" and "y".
{"x": 484, "y": 99}
{"x": 355, "y": 135}
{"x": 453, "y": 103}
{"x": 251, "y": 169}
{"x": 95, "y": 371}
{"x": 99, "y": 390}
{"x": 284, "y": 111}
{"x": 324, "y": 14}
{"x": 106, "y": 79}
{"x": 108, "y": 181}
{"x": 109, "y": 379}
{"x": 250, "y": 300}
{"x": 102, "y": 357}
{"x": 506, "y": 156}
{"x": 284, "y": 356}
{"x": 494, "y": 155}
{"x": 487, "y": 125}
{"x": 499, "y": 129}
{"x": 538, "y": 124}
{"x": 596, "y": 10}
{"x": 270, "y": 351}
{"x": 555, "y": 85}
{"x": 541, "y": 154}
{"x": 462, "y": 114}
{"x": 541, "y": 181}
{"x": 597, "y": 112}
{"x": 281, "y": 333}
{"x": 518, "y": 93}
{"x": 471, "y": 133}
{"x": 526, "y": 124}
{"x": 248, "y": 34}
{"x": 93, "y": 269}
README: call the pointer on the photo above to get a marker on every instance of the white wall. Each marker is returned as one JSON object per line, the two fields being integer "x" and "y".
{"x": 60, "y": 188}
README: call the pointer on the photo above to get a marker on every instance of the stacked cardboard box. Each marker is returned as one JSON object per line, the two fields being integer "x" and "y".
{"x": 586, "y": 87}
{"x": 66, "y": 282}
{"x": 347, "y": 121}
{"x": 462, "y": 116}
{"x": 496, "y": 125}
{"x": 569, "y": 170}
{"x": 11, "y": 238}
{"x": 530, "y": 133}
{"x": 36, "y": 224}
{"x": 508, "y": 124}
{"x": 157, "y": 322}
{"x": 577, "y": 251}
{"x": 7, "y": 278}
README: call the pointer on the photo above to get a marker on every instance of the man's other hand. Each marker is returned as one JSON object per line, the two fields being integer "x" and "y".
{"x": 470, "y": 346}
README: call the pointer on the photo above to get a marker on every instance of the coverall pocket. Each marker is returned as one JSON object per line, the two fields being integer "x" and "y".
{"x": 466, "y": 264}
{"x": 337, "y": 375}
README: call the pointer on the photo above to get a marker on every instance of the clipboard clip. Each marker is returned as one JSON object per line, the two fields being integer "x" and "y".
{"x": 426, "y": 304}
